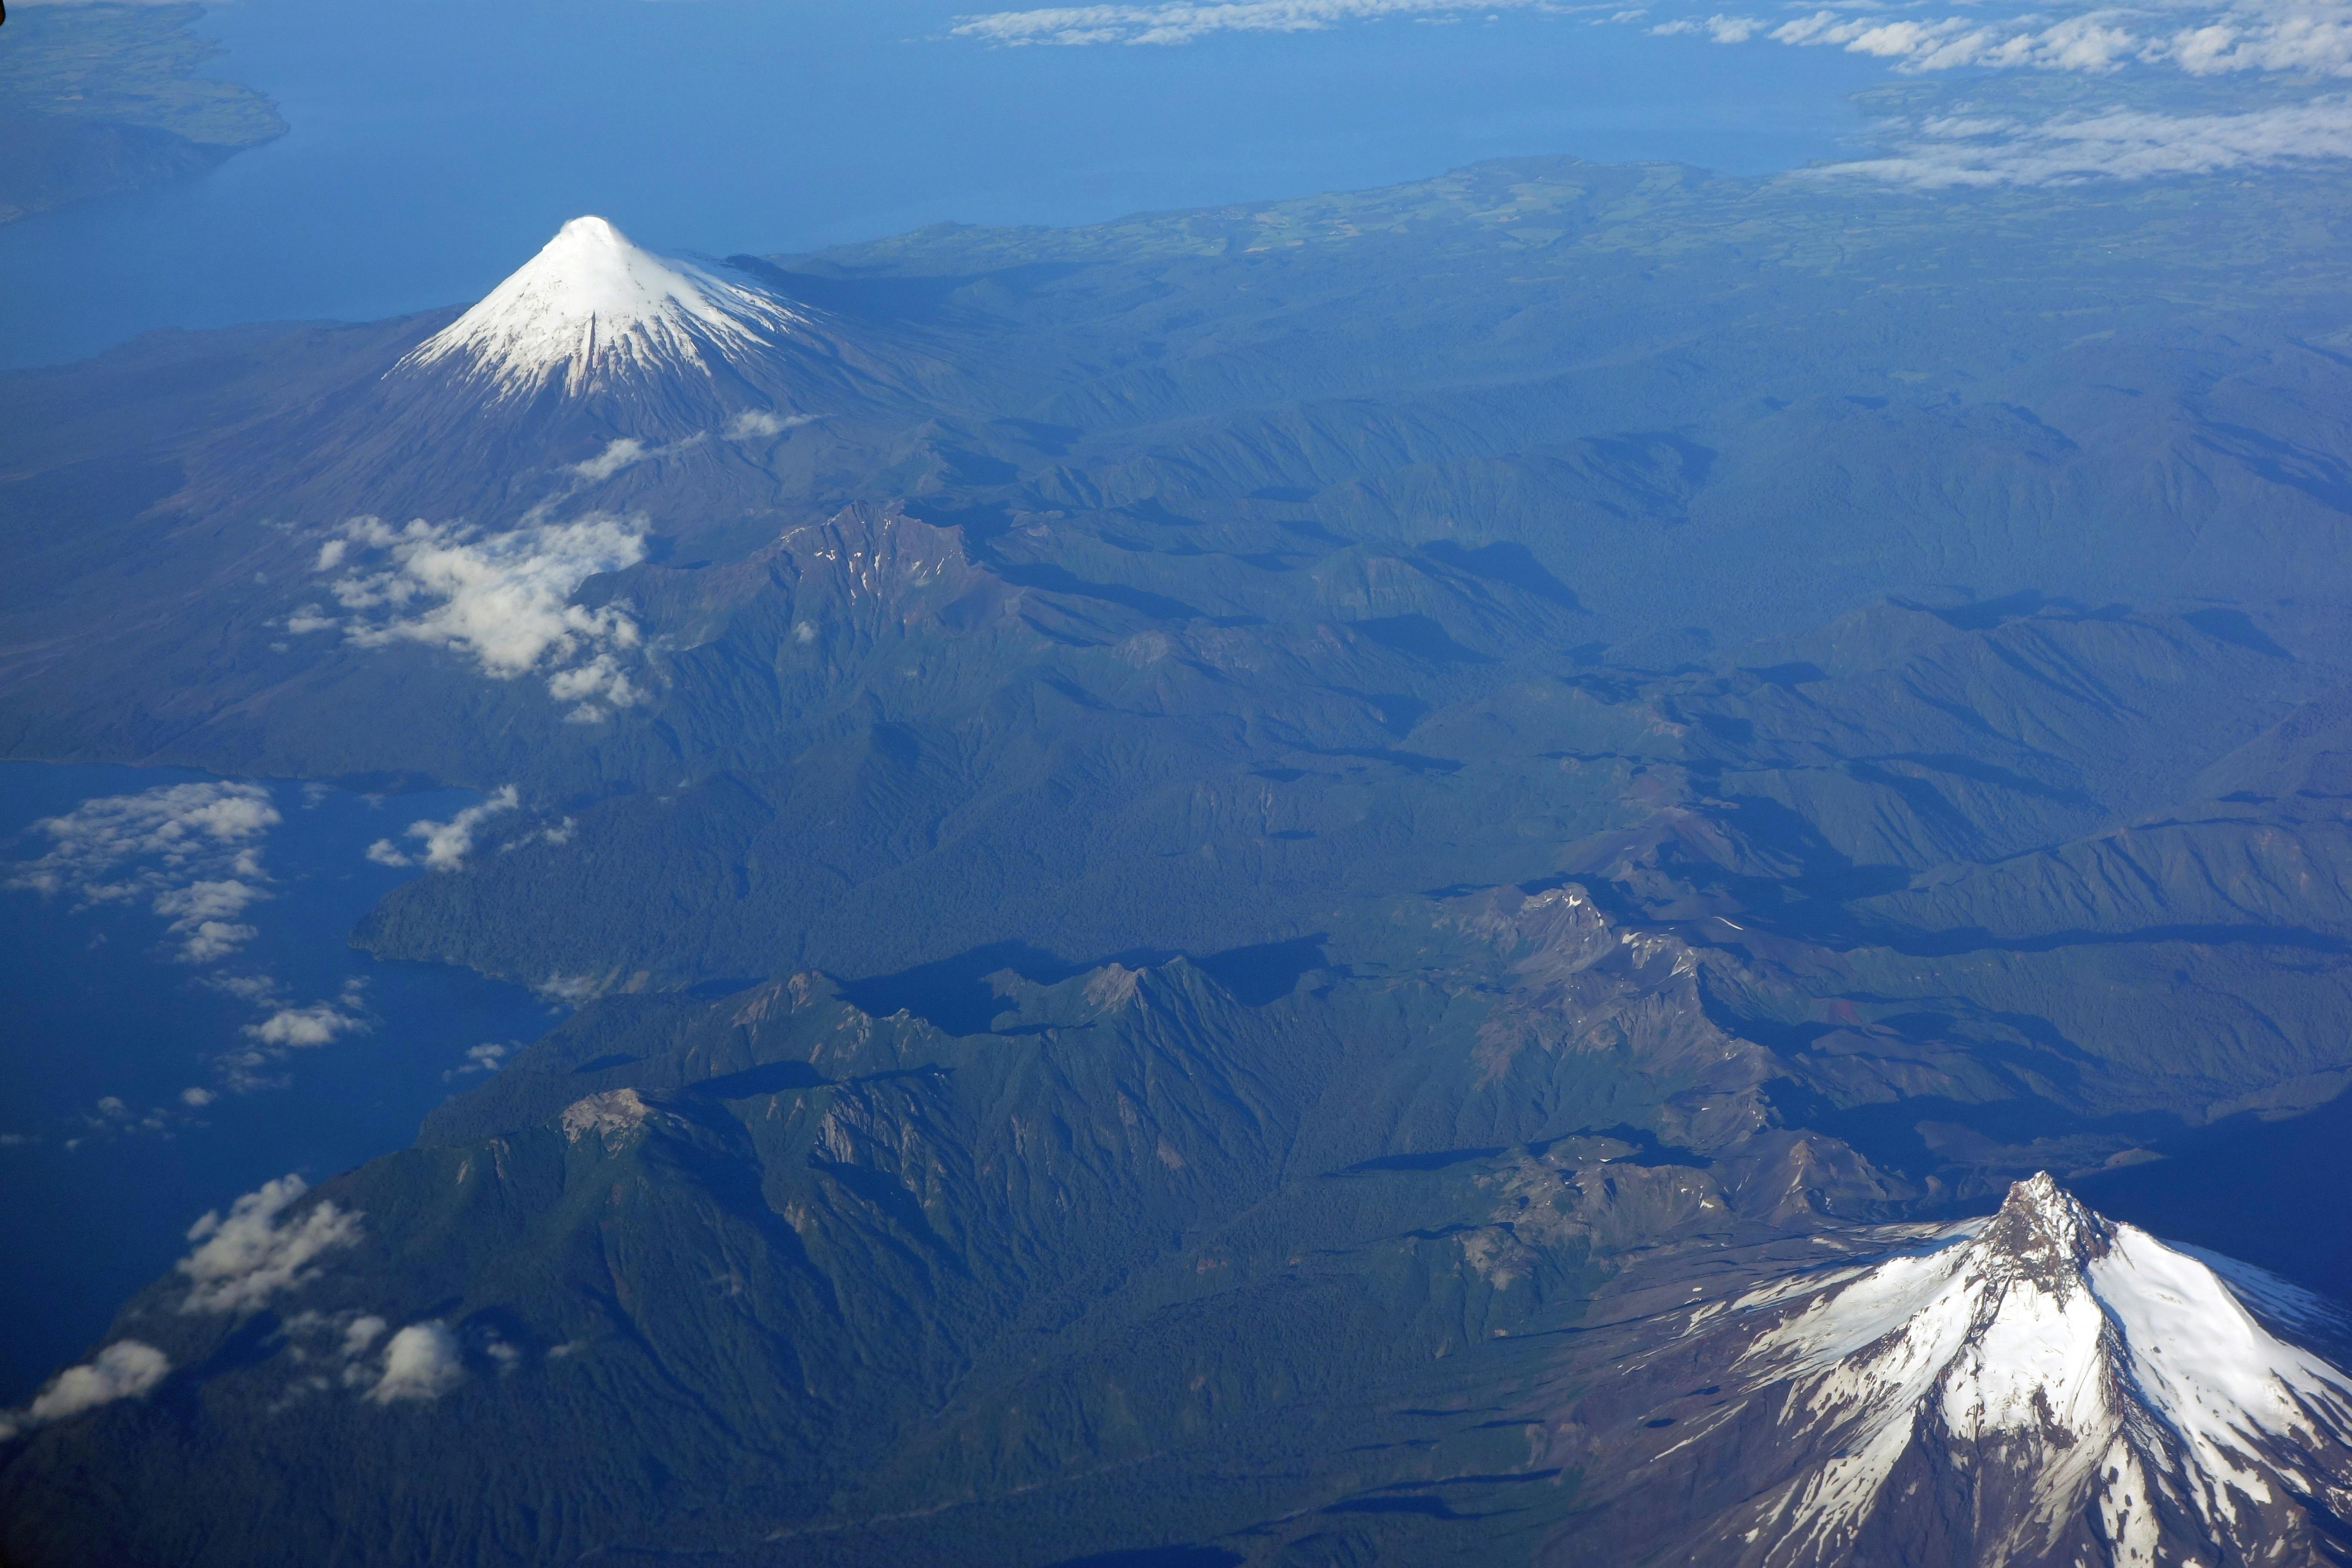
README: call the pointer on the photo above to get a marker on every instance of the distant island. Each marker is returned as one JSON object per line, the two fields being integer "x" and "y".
{"x": 101, "y": 99}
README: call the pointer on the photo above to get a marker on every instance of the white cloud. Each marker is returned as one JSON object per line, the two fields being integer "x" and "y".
{"x": 255, "y": 988}
{"x": 285, "y": 1028}
{"x": 209, "y": 940}
{"x": 2237, "y": 36}
{"x": 203, "y": 917}
{"x": 616, "y": 456}
{"x": 123, "y": 1370}
{"x": 361, "y": 1333}
{"x": 1184, "y": 20}
{"x": 243, "y": 1260}
{"x": 755, "y": 424}
{"x": 2093, "y": 41}
{"x": 2128, "y": 144}
{"x": 421, "y": 1363}
{"x": 569, "y": 990}
{"x": 480, "y": 1059}
{"x": 1722, "y": 29}
{"x": 192, "y": 850}
{"x": 501, "y": 599}
{"x": 2243, "y": 35}
{"x": 2315, "y": 38}
{"x": 445, "y": 845}
{"x": 297, "y": 1028}
{"x": 2298, "y": 35}
{"x": 126, "y": 1369}
{"x": 196, "y": 1098}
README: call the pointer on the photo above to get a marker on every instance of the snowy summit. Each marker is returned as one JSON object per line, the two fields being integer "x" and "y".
{"x": 592, "y": 307}
{"x": 2078, "y": 1390}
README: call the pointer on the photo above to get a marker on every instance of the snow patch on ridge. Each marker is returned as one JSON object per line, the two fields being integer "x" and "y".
{"x": 592, "y": 306}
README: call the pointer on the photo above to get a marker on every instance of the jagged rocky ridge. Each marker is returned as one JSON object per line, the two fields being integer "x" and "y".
{"x": 1359, "y": 768}
{"x": 854, "y": 1288}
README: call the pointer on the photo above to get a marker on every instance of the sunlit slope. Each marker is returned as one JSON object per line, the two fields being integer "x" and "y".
{"x": 1690, "y": 403}
{"x": 1428, "y": 1254}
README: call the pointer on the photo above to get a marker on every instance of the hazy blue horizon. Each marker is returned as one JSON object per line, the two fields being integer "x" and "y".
{"x": 433, "y": 147}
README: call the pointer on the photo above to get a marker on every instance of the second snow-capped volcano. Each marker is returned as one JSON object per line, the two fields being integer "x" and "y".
{"x": 592, "y": 307}
{"x": 2042, "y": 1389}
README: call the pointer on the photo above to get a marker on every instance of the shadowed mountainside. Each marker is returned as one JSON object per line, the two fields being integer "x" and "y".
{"x": 1194, "y": 849}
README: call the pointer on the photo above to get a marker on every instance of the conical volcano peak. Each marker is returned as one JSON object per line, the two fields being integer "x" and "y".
{"x": 593, "y": 306}
{"x": 2080, "y": 1391}
{"x": 2042, "y": 1233}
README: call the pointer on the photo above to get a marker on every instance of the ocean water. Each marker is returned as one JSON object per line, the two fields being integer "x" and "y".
{"x": 107, "y": 1022}
{"x": 437, "y": 144}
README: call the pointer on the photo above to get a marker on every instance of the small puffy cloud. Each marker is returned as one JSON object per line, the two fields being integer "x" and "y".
{"x": 173, "y": 828}
{"x": 627, "y": 452}
{"x": 421, "y": 1363}
{"x": 616, "y": 456}
{"x": 192, "y": 851}
{"x": 444, "y": 845}
{"x": 196, "y": 1098}
{"x": 601, "y": 680}
{"x": 2124, "y": 144}
{"x": 127, "y": 1369}
{"x": 481, "y": 1058}
{"x": 285, "y": 1027}
{"x": 758, "y": 423}
{"x": 361, "y": 1333}
{"x": 259, "y": 1249}
{"x": 568, "y": 990}
{"x": 503, "y": 600}
{"x": 255, "y": 988}
{"x": 203, "y": 917}
{"x": 296, "y": 1027}
{"x": 209, "y": 940}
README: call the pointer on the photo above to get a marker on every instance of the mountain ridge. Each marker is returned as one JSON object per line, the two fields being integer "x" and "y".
{"x": 1188, "y": 853}
{"x": 2041, "y": 1386}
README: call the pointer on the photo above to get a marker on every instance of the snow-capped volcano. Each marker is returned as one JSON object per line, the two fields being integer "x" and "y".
{"x": 2043, "y": 1387}
{"x": 2078, "y": 1371}
{"x": 593, "y": 307}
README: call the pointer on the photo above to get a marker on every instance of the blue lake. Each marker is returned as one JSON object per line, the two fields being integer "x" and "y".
{"x": 437, "y": 144}
{"x": 103, "y": 1005}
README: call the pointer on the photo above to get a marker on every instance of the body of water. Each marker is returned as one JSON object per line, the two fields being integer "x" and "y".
{"x": 437, "y": 144}
{"x": 152, "y": 1069}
